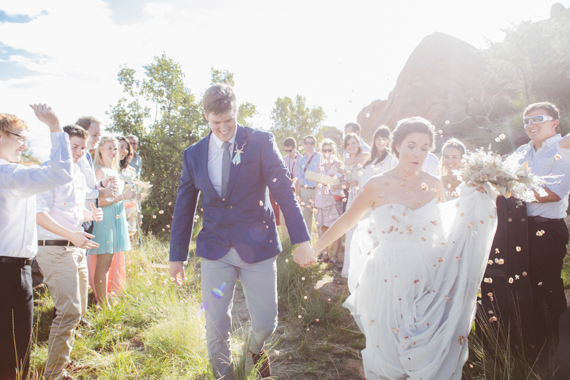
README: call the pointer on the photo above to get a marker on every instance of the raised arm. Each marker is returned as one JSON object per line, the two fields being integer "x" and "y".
{"x": 28, "y": 181}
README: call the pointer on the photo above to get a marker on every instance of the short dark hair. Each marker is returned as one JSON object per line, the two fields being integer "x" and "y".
{"x": 75, "y": 130}
{"x": 290, "y": 142}
{"x": 85, "y": 122}
{"x": 411, "y": 125}
{"x": 219, "y": 99}
{"x": 354, "y": 127}
{"x": 550, "y": 109}
{"x": 310, "y": 136}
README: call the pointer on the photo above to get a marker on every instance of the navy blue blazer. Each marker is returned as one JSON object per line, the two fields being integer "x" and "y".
{"x": 244, "y": 219}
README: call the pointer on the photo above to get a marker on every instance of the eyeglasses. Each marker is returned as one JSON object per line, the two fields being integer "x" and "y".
{"x": 309, "y": 143}
{"x": 327, "y": 150}
{"x": 288, "y": 150}
{"x": 21, "y": 139}
{"x": 536, "y": 119}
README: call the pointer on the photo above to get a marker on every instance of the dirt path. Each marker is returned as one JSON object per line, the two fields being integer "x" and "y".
{"x": 309, "y": 355}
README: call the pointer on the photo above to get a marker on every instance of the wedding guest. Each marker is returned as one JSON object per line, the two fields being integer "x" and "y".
{"x": 355, "y": 129}
{"x": 328, "y": 201}
{"x": 93, "y": 128}
{"x": 18, "y": 237}
{"x": 104, "y": 188}
{"x": 305, "y": 189}
{"x": 292, "y": 157}
{"x": 380, "y": 159}
{"x": 353, "y": 172}
{"x": 61, "y": 255}
{"x": 112, "y": 233}
{"x": 129, "y": 175}
{"x": 136, "y": 161}
{"x": 547, "y": 231}
{"x": 452, "y": 153}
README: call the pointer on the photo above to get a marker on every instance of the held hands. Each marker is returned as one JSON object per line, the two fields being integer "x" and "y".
{"x": 81, "y": 239}
{"x": 304, "y": 255}
{"x": 46, "y": 115}
{"x": 176, "y": 268}
{"x": 96, "y": 213}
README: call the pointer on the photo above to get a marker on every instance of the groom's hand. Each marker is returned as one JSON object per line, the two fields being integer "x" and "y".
{"x": 304, "y": 254}
{"x": 177, "y": 267}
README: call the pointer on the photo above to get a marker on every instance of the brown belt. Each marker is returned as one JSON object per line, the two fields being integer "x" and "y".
{"x": 16, "y": 260}
{"x": 61, "y": 243}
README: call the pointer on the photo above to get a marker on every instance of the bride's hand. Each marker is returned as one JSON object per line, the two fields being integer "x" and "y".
{"x": 304, "y": 255}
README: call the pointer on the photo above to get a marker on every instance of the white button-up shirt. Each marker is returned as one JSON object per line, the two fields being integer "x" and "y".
{"x": 431, "y": 165}
{"x": 545, "y": 161}
{"x": 65, "y": 204}
{"x": 215, "y": 159}
{"x": 92, "y": 193}
{"x": 18, "y": 188}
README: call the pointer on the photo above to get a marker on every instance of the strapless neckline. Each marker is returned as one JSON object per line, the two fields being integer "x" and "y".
{"x": 398, "y": 205}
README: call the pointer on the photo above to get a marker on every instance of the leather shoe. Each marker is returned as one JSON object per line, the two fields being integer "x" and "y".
{"x": 85, "y": 324}
{"x": 264, "y": 367}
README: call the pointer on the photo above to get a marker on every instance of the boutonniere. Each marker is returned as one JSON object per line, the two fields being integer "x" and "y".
{"x": 237, "y": 158}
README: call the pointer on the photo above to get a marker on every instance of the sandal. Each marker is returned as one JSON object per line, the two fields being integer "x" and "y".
{"x": 325, "y": 258}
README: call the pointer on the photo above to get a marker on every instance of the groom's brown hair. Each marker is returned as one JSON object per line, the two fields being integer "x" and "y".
{"x": 219, "y": 99}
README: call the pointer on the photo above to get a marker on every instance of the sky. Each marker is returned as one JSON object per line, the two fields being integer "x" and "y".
{"x": 340, "y": 55}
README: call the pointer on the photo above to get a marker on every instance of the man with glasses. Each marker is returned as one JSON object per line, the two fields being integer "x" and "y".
{"x": 18, "y": 237}
{"x": 292, "y": 157}
{"x": 547, "y": 231}
{"x": 136, "y": 162}
{"x": 306, "y": 189}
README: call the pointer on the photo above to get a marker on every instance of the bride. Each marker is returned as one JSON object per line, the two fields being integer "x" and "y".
{"x": 417, "y": 264}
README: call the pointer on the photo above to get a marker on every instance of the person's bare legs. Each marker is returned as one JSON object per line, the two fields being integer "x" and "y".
{"x": 100, "y": 278}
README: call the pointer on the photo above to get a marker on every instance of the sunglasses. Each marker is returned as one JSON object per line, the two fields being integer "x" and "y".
{"x": 327, "y": 150}
{"x": 536, "y": 119}
{"x": 309, "y": 143}
{"x": 288, "y": 150}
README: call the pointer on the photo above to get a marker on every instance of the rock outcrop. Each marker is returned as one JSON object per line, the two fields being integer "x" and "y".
{"x": 439, "y": 78}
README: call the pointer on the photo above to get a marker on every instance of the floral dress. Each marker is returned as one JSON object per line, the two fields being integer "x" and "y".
{"x": 329, "y": 209}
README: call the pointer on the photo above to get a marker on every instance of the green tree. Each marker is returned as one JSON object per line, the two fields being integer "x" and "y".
{"x": 293, "y": 118}
{"x": 167, "y": 118}
{"x": 246, "y": 109}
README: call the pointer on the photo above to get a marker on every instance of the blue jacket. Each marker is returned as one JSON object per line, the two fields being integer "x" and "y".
{"x": 245, "y": 219}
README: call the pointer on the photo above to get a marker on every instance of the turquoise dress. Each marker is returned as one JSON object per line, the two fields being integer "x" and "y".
{"x": 112, "y": 233}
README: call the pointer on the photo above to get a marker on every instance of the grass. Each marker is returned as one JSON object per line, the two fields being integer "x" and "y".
{"x": 154, "y": 331}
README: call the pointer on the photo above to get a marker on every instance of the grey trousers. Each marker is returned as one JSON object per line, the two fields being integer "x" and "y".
{"x": 259, "y": 281}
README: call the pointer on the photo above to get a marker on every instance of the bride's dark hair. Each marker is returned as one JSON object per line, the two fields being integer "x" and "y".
{"x": 412, "y": 125}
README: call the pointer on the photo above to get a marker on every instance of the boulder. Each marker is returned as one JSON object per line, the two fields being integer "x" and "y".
{"x": 437, "y": 81}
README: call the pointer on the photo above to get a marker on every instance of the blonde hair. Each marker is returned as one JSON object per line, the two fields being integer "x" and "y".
{"x": 99, "y": 159}
{"x": 10, "y": 122}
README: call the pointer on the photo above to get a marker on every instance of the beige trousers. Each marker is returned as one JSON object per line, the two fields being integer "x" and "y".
{"x": 65, "y": 274}
{"x": 308, "y": 195}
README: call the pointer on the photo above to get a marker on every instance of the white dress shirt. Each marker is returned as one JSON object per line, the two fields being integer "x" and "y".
{"x": 545, "y": 161}
{"x": 65, "y": 204}
{"x": 215, "y": 158}
{"x": 92, "y": 192}
{"x": 18, "y": 188}
{"x": 431, "y": 165}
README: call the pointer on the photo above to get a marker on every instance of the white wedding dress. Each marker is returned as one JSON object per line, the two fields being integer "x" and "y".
{"x": 413, "y": 281}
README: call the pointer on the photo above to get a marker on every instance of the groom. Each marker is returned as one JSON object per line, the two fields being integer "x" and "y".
{"x": 233, "y": 167}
